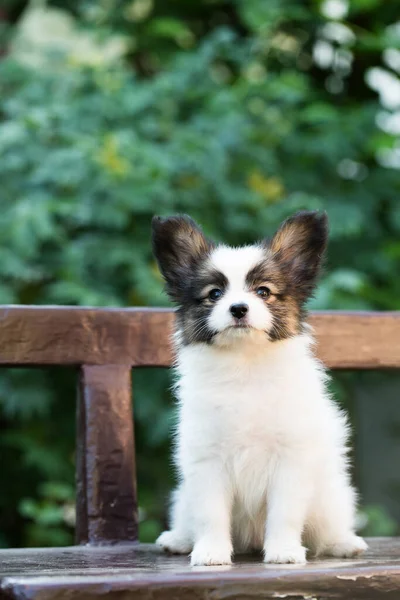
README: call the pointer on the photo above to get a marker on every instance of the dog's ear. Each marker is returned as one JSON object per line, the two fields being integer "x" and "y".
{"x": 178, "y": 246}
{"x": 299, "y": 246}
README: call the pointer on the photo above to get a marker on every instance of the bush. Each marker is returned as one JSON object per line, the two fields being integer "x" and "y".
{"x": 229, "y": 119}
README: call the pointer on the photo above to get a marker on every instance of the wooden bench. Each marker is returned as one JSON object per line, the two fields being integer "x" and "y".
{"x": 105, "y": 344}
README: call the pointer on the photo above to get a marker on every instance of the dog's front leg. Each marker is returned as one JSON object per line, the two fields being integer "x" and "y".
{"x": 288, "y": 498}
{"x": 211, "y": 502}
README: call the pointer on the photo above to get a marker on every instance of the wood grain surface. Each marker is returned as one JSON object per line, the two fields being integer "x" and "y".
{"x": 141, "y": 337}
{"x": 143, "y": 572}
{"x": 106, "y": 507}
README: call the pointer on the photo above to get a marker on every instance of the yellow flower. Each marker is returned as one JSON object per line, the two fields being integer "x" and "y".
{"x": 110, "y": 159}
{"x": 270, "y": 188}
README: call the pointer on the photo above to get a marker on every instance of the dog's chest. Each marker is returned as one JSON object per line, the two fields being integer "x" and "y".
{"x": 249, "y": 414}
{"x": 240, "y": 409}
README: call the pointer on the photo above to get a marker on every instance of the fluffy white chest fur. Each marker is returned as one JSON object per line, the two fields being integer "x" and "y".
{"x": 261, "y": 448}
{"x": 252, "y": 407}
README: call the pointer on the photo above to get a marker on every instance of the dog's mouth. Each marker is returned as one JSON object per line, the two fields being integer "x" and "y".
{"x": 239, "y": 325}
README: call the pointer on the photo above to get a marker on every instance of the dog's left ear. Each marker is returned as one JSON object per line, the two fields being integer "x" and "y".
{"x": 178, "y": 246}
{"x": 299, "y": 246}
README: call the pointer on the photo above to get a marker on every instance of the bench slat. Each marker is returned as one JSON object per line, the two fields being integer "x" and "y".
{"x": 43, "y": 335}
{"x": 142, "y": 572}
{"x": 358, "y": 340}
{"x": 141, "y": 337}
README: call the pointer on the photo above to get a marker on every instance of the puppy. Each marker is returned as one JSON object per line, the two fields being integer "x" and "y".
{"x": 261, "y": 447}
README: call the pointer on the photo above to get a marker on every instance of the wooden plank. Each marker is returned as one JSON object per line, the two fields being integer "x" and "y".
{"x": 142, "y": 572}
{"x": 357, "y": 340}
{"x": 38, "y": 335}
{"x": 106, "y": 484}
{"x": 141, "y": 337}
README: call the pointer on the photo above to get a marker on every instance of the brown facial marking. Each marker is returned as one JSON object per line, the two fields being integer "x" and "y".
{"x": 265, "y": 273}
{"x": 182, "y": 252}
{"x": 298, "y": 247}
{"x": 292, "y": 263}
{"x": 194, "y": 311}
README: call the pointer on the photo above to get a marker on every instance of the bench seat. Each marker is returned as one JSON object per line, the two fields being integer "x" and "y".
{"x": 142, "y": 571}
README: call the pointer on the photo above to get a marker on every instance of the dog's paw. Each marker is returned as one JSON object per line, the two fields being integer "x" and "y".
{"x": 285, "y": 554}
{"x": 346, "y": 548}
{"x": 172, "y": 542}
{"x": 209, "y": 552}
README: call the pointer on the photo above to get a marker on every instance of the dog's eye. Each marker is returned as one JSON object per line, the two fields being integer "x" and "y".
{"x": 263, "y": 292}
{"x": 214, "y": 294}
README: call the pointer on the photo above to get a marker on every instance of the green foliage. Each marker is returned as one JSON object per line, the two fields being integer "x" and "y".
{"x": 217, "y": 109}
{"x": 378, "y": 522}
{"x": 52, "y": 517}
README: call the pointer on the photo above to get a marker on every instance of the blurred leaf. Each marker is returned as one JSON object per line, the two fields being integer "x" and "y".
{"x": 376, "y": 521}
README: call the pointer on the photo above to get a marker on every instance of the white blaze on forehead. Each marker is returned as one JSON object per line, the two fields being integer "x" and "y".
{"x": 235, "y": 263}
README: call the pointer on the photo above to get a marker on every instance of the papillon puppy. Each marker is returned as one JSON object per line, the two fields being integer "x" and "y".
{"x": 261, "y": 447}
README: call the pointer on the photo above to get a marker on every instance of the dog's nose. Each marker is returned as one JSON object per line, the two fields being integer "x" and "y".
{"x": 238, "y": 310}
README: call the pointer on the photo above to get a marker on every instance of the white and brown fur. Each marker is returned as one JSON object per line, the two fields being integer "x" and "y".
{"x": 261, "y": 448}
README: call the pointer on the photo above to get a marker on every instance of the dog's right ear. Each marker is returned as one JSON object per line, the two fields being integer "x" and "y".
{"x": 178, "y": 245}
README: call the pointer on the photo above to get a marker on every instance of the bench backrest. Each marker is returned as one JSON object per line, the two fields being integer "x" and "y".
{"x": 105, "y": 344}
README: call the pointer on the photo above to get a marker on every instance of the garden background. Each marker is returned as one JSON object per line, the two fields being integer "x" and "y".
{"x": 238, "y": 112}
